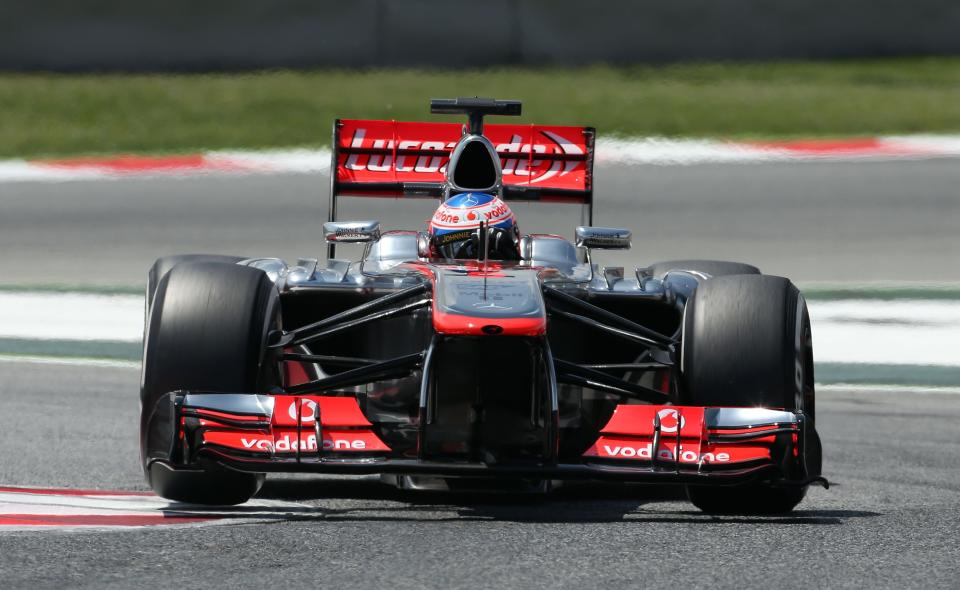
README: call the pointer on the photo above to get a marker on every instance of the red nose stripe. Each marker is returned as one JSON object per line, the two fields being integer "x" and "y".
{"x": 462, "y": 325}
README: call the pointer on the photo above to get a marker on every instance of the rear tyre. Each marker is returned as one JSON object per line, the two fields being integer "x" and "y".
{"x": 714, "y": 268}
{"x": 207, "y": 331}
{"x": 746, "y": 342}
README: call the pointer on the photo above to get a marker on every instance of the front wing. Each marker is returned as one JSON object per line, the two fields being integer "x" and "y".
{"x": 330, "y": 434}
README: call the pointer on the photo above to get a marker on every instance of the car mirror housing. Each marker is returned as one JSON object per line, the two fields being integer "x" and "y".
{"x": 351, "y": 231}
{"x": 603, "y": 238}
{"x": 423, "y": 245}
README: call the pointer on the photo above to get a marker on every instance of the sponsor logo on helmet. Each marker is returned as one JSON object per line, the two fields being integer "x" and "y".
{"x": 443, "y": 215}
{"x": 497, "y": 212}
{"x": 449, "y": 238}
{"x": 468, "y": 210}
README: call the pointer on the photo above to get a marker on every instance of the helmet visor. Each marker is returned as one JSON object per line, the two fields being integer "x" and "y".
{"x": 458, "y": 245}
{"x": 463, "y": 245}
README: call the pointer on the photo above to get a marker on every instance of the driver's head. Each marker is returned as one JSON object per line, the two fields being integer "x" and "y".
{"x": 453, "y": 228}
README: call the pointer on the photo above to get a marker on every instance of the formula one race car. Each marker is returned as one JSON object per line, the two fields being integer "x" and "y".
{"x": 471, "y": 355}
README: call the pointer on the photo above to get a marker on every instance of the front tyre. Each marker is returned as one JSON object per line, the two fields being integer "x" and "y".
{"x": 207, "y": 331}
{"x": 714, "y": 268}
{"x": 746, "y": 342}
{"x": 164, "y": 265}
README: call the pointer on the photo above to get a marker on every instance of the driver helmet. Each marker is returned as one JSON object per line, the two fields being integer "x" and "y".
{"x": 453, "y": 228}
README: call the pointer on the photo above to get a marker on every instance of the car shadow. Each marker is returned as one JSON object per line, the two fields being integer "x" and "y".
{"x": 572, "y": 503}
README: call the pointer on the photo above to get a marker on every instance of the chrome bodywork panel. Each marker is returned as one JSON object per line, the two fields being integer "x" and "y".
{"x": 383, "y": 266}
{"x": 517, "y": 296}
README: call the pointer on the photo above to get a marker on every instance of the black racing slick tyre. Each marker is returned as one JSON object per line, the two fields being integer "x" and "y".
{"x": 207, "y": 332}
{"x": 163, "y": 265}
{"x": 746, "y": 342}
{"x": 714, "y": 268}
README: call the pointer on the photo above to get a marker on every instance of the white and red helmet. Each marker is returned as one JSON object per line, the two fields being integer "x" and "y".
{"x": 454, "y": 225}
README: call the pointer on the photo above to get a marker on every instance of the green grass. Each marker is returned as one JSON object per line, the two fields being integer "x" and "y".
{"x": 878, "y": 374}
{"x": 888, "y": 291}
{"x": 88, "y": 349}
{"x": 53, "y": 114}
{"x": 72, "y": 288}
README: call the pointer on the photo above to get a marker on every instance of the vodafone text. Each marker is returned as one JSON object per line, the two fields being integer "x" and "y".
{"x": 664, "y": 453}
{"x": 288, "y": 444}
{"x": 493, "y": 216}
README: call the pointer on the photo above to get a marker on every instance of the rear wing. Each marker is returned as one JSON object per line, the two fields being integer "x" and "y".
{"x": 396, "y": 159}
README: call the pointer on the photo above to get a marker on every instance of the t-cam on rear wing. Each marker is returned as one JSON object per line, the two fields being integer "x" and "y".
{"x": 396, "y": 159}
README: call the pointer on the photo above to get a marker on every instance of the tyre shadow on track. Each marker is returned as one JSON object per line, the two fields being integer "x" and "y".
{"x": 573, "y": 503}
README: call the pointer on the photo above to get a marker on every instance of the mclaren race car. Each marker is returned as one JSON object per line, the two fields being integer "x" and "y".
{"x": 471, "y": 354}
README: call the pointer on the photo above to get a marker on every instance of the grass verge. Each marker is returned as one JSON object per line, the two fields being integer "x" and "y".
{"x": 57, "y": 115}
{"x": 877, "y": 374}
{"x": 93, "y": 349}
{"x": 72, "y": 288}
{"x": 880, "y": 291}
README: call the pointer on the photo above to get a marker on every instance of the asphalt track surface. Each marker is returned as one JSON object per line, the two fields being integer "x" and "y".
{"x": 889, "y": 521}
{"x": 811, "y": 221}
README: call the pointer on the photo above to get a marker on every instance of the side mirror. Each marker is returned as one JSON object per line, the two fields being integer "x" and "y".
{"x": 351, "y": 231}
{"x": 603, "y": 238}
{"x": 423, "y": 244}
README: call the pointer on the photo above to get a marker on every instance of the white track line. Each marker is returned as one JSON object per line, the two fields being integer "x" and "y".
{"x": 135, "y": 365}
{"x": 70, "y": 361}
{"x": 71, "y": 316}
{"x": 886, "y": 332}
{"x": 877, "y": 388}
{"x": 302, "y": 160}
{"x": 913, "y": 332}
{"x": 66, "y": 510}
